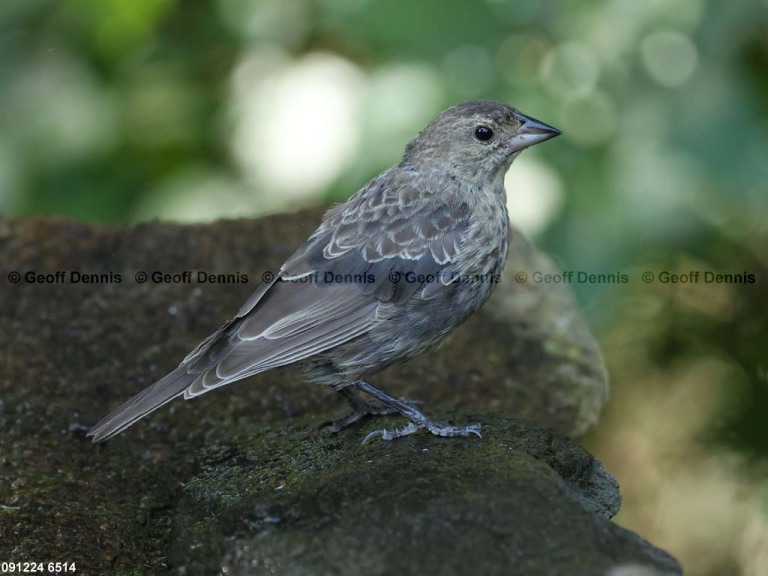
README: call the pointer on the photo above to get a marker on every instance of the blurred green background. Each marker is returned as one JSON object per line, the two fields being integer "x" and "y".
{"x": 126, "y": 110}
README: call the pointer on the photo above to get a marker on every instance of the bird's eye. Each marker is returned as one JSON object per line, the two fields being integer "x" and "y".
{"x": 483, "y": 133}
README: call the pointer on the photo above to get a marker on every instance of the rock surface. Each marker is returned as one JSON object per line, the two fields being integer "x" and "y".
{"x": 287, "y": 500}
{"x": 196, "y": 485}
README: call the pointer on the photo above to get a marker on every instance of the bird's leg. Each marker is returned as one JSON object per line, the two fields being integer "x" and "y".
{"x": 417, "y": 419}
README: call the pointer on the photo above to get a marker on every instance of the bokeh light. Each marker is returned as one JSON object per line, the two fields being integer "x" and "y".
{"x": 534, "y": 194}
{"x": 571, "y": 70}
{"x": 669, "y": 57}
{"x": 299, "y": 124}
{"x": 57, "y": 109}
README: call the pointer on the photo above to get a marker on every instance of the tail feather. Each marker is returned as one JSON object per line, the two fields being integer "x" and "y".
{"x": 160, "y": 393}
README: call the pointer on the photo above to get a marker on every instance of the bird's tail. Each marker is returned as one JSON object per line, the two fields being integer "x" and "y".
{"x": 157, "y": 395}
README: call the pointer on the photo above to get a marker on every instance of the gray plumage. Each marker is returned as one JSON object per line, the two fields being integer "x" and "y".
{"x": 387, "y": 275}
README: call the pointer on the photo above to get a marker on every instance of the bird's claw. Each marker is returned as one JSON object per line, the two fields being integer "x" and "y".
{"x": 454, "y": 431}
{"x": 439, "y": 430}
{"x": 393, "y": 433}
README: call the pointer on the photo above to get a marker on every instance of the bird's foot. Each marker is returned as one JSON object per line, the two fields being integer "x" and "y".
{"x": 440, "y": 430}
{"x": 417, "y": 419}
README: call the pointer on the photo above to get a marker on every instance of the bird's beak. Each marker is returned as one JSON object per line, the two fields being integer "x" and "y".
{"x": 531, "y": 132}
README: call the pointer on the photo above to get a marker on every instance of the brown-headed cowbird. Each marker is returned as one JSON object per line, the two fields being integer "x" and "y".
{"x": 387, "y": 275}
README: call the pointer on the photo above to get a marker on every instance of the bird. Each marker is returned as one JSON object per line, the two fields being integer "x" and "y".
{"x": 387, "y": 275}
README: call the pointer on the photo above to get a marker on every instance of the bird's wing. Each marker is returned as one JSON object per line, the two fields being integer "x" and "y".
{"x": 369, "y": 251}
{"x": 327, "y": 293}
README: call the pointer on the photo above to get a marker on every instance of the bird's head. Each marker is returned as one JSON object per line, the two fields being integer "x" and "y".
{"x": 477, "y": 140}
